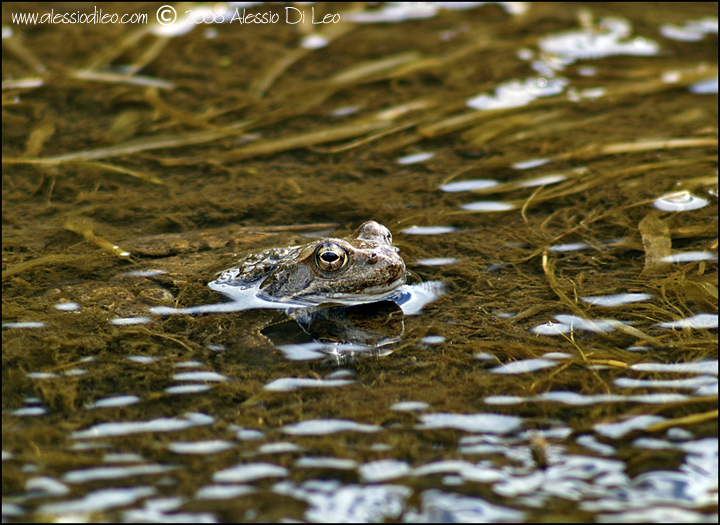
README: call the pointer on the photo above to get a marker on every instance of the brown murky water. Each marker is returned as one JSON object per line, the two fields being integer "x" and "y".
{"x": 555, "y": 168}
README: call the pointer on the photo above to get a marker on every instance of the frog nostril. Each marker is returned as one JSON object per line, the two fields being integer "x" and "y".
{"x": 372, "y": 258}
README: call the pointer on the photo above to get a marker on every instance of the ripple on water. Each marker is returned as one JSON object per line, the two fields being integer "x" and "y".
{"x": 590, "y": 325}
{"x": 516, "y": 93}
{"x": 47, "y": 486}
{"x": 698, "y": 367}
{"x": 187, "y": 389}
{"x": 287, "y": 384}
{"x": 691, "y": 383}
{"x": 24, "y": 324}
{"x": 326, "y": 463}
{"x": 692, "y": 30}
{"x": 222, "y": 492}
{"x": 145, "y": 273}
{"x": 122, "y": 457}
{"x": 444, "y": 507}
{"x": 505, "y": 400}
{"x": 437, "y": 261}
{"x": 317, "y": 350}
{"x": 567, "y": 323}
{"x": 551, "y": 328}
{"x": 393, "y": 12}
{"x": 200, "y": 447}
{"x": 409, "y": 406}
{"x": 331, "y": 501}
{"x": 410, "y": 297}
{"x": 680, "y": 201}
{"x": 344, "y": 111}
{"x": 612, "y": 37}
{"x": 188, "y": 364}
{"x": 569, "y": 247}
{"x": 41, "y": 375}
{"x": 117, "y": 401}
{"x": 573, "y": 398}
{"x": 319, "y": 427}
{"x": 249, "y": 434}
{"x": 199, "y": 375}
{"x": 429, "y": 230}
{"x": 123, "y": 321}
{"x": 543, "y": 181}
{"x": 557, "y": 355}
{"x": 141, "y": 359}
{"x": 618, "y": 429}
{"x": 465, "y": 470}
{"x": 102, "y": 473}
{"x": 699, "y": 321}
{"x": 314, "y": 41}
{"x": 280, "y": 447}
{"x": 488, "y": 206}
{"x": 616, "y": 299}
{"x": 249, "y": 472}
{"x": 575, "y": 95}
{"x": 383, "y": 470}
{"x": 67, "y": 307}
{"x": 29, "y": 411}
{"x": 490, "y": 423}
{"x": 705, "y": 87}
{"x": 98, "y": 501}
{"x": 691, "y": 256}
{"x": 665, "y": 495}
{"x": 415, "y": 158}
{"x": 469, "y": 185}
{"x": 524, "y": 366}
{"x": 163, "y": 424}
{"x": 529, "y": 164}
{"x": 576, "y": 399}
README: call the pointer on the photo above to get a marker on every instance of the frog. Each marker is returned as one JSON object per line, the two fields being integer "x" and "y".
{"x": 362, "y": 268}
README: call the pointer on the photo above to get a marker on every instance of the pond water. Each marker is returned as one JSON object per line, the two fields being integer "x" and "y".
{"x": 548, "y": 172}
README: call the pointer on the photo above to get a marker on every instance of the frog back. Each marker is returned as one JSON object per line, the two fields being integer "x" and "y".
{"x": 255, "y": 267}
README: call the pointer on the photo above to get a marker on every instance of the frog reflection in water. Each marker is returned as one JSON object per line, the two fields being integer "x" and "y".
{"x": 362, "y": 268}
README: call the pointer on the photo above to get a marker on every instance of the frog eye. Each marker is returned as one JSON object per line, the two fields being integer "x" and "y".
{"x": 330, "y": 257}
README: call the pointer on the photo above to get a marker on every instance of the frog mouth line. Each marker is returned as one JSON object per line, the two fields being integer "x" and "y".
{"x": 370, "y": 294}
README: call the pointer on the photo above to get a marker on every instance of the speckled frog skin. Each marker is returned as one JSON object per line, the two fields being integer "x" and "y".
{"x": 362, "y": 268}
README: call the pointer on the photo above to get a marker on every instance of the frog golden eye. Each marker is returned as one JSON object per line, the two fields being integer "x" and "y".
{"x": 330, "y": 257}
